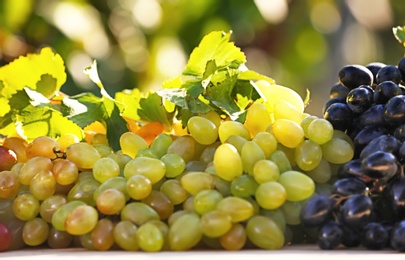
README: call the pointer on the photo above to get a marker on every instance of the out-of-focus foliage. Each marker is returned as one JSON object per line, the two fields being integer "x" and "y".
{"x": 141, "y": 43}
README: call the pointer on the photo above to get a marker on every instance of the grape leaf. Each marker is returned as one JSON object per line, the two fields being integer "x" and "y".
{"x": 399, "y": 33}
{"x": 130, "y": 101}
{"x": 214, "y": 46}
{"x": 152, "y": 110}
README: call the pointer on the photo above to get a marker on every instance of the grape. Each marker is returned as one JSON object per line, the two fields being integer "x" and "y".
{"x": 257, "y": 118}
{"x": 160, "y": 144}
{"x": 207, "y": 154}
{"x": 180, "y": 238}
{"x": 297, "y": 185}
{"x": 81, "y": 220}
{"x": 125, "y": 235}
{"x": 83, "y": 155}
{"x": 264, "y": 233}
{"x": 308, "y": 155}
{"x": 174, "y": 163}
{"x": 149, "y": 238}
{"x": 130, "y": 143}
{"x": 105, "y": 168}
{"x": 206, "y": 201}
{"x": 270, "y": 195}
{"x": 103, "y": 149}
{"x": 65, "y": 140}
{"x": 244, "y": 186}
{"x": 194, "y": 182}
{"x": 9, "y": 184}
{"x": 330, "y": 235}
{"x": 102, "y": 236}
{"x": 50, "y": 205}
{"x": 5, "y": 237}
{"x": 229, "y": 128}
{"x": 284, "y": 110}
{"x": 339, "y": 115}
{"x": 184, "y": 146}
{"x": 59, "y": 239}
{"x": 292, "y": 211}
{"x": 322, "y": 173}
{"x": 281, "y": 160}
{"x": 394, "y": 110}
{"x": 265, "y": 170}
{"x": 320, "y": 131}
{"x": 213, "y": 117}
{"x": 227, "y": 162}
{"x": 338, "y": 90}
{"x": 138, "y": 186}
{"x": 389, "y": 73}
{"x": 32, "y": 167}
{"x": 35, "y": 232}
{"x": 374, "y": 116}
{"x": 360, "y": 99}
{"x": 251, "y": 153}
{"x": 215, "y": 223}
{"x": 317, "y": 211}
{"x": 352, "y": 76}
{"x": 202, "y": 129}
{"x": 267, "y": 142}
{"x": 357, "y": 211}
{"x": 234, "y": 239}
{"x": 238, "y": 208}
{"x": 153, "y": 169}
{"x": 121, "y": 158}
{"x": 99, "y": 138}
{"x": 288, "y": 132}
{"x": 8, "y": 159}
{"x": 18, "y": 146}
{"x": 42, "y": 146}
{"x": 84, "y": 191}
{"x": 374, "y": 236}
{"x": 43, "y": 185}
{"x": 65, "y": 172}
{"x": 337, "y": 151}
{"x": 25, "y": 206}
{"x": 110, "y": 201}
{"x": 138, "y": 213}
{"x": 160, "y": 203}
{"x": 61, "y": 213}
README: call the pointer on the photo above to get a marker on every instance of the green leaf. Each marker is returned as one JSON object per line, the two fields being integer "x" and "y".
{"x": 84, "y": 116}
{"x": 253, "y": 75}
{"x": 399, "y": 33}
{"x": 152, "y": 110}
{"x": 46, "y": 85}
{"x": 115, "y": 124}
{"x": 214, "y": 46}
{"x": 130, "y": 101}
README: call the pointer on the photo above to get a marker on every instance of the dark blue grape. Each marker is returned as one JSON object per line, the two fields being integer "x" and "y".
{"x": 353, "y": 169}
{"x": 374, "y": 116}
{"x": 395, "y": 195}
{"x": 395, "y": 110}
{"x": 330, "y": 235}
{"x": 356, "y": 211}
{"x": 351, "y": 237}
{"x": 339, "y": 115}
{"x": 398, "y": 236}
{"x": 333, "y": 101}
{"x": 401, "y": 67}
{"x": 385, "y": 91}
{"x": 338, "y": 91}
{"x": 374, "y": 67}
{"x": 399, "y": 133}
{"x": 349, "y": 186}
{"x": 352, "y": 76}
{"x": 366, "y": 135}
{"x": 374, "y": 236}
{"x": 360, "y": 99}
{"x": 380, "y": 165}
{"x": 317, "y": 211}
{"x": 389, "y": 73}
{"x": 386, "y": 143}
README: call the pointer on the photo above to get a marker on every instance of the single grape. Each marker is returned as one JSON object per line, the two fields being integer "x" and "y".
{"x": 35, "y": 232}
{"x": 59, "y": 239}
{"x": 43, "y": 185}
{"x": 206, "y": 201}
{"x": 110, "y": 202}
{"x": 83, "y": 155}
{"x": 317, "y": 211}
{"x": 184, "y": 146}
{"x": 9, "y": 184}
{"x": 65, "y": 172}
{"x": 229, "y": 128}
{"x": 257, "y": 118}
{"x": 153, "y": 169}
{"x": 32, "y": 167}
{"x": 202, "y": 129}
{"x": 149, "y": 238}
{"x": 250, "y": 154}
{"x": 238, "y": 208}
{"x": 288, "y": 132}
{"x": 5, "y": 237}
{"x": 297, "y": 185}
{"x": 270, "y": 195}
{"x": 25, "y": 206}
{"x": 194, "y": 182}
{"x": 50, "y": 205}
{"x": 138, "y": 213}
{"x": 160, "y": 203}
{"x": 102, "y": 236}
{"x": 18, "y": 146}
{"x": 267, "y": 142}
{"x": 125, "y": 235}
{"x": 264, "y": 233}
{"x": 235, "y": 238}
{"x": 160, "y": 144}
{"x": 330, "y": 235}
{"x": 42, "y": 146}
{"x": 265, "y": 170}
{"x": 182, "y": 239}
{"x": 130, "y": 143}
{"x": 308, "y": 155}
{"x": 81, "y": 220}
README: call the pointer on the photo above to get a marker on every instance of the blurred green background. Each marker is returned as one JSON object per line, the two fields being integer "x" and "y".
{"x": 302, "y": 44}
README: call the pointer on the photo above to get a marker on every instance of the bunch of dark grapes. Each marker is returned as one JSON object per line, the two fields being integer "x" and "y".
{"x": 367, "y": 205}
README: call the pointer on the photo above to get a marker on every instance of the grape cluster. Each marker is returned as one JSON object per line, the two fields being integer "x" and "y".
{"x": 366, "y": 206}
{"x": 220, "y": 184}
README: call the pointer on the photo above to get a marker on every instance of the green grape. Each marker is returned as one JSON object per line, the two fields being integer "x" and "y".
{"x": 61, "y": 213}
{"x": 160, "y": 203}
{"x": 210, "y": 242}
{"x": 270, "y": 195}
{"x": 267, "y": 142}
{"x": 227, "y": 162}
{"x": 103, "y": 149}
{"x": 138, "y": 213}
{"x": 234, "y": 239}
{"x": 86, "y": 241}
{"x": 50, "y": 205}
{"x": 193, "y": 182}
{"x": 213, "y": 117}
{"x": 105, "y": 168}
{"x": 81, "y": 220}
{"x": 195, "y": 166}
{"x": 164, "y": 229}
{"x": 188, "y": 204}
{"x": 239, "y": 209}
{"x": 243, "y": 186}
{"x": 110, "y": 202}
{"x": 138, "y": 186}
{"x": 265, "y": 170}
{"x": 236, "y": 141}
{"x": 284, "y": 110}
{"x": 308, "y": 155}
{"x": 160, "y": 144}
{"x": 42, "y": 146}
{"x": 321, "y": 173}
{"x": 25, "y": 206}
{"x": 206, "y": 201}
{"x": 58, "y": 239}
{"x": 181, "y": 238}
{"x": 32, "y": 167}
{"x": 35, "y": 232}
{"x": 65, "y": 172}
{"x": 9, "y": 184}
{"x": 320, "y": 131}
{"x": 99, "y": 138}
{"x": 292, "y": 211}
{"x": 257, "y": 118}
{"x": 102, "y": 236}
{"x": 174, "y": 191}
{"x": 306, "y": 122}
{"x": 117, "y": 183}
{"x": 287, "y": 132}
{"x": 251, "y": 153}
{"x": 277, "y": 215}
{"x": 146, "y": 152}
{"x": 228, "y": 128}
{"x": 298, "y": 185}
{"x": 43, "y": 185}
{"x": 207, "y": 155}
{"x": 289, "y": 152}
{"x": 342, "y": 135}
{"x": 176, "y": 215}
{"x": 185, "y": 146}
{"x": 202, "y": 130}
{"x": 175, "y": 165}
{"x": 130, "y": 143}
{"x": 121, "y": 158}
{"x": 281, "y": 160}
{"x": 125, "y": 235}
{"x": 152, "y": 168}
{"x": 215, "y": 223}
{"x": 83, "y": 155}
{"x": 149, "y": 238}
{"x": 337, "y": 151}
{"x": 221, "y": 185}
{"x": 264, "y": 233}
{"x": 84, "y": 190}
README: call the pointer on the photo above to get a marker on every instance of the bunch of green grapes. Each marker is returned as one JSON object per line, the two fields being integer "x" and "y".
{"x": 223, "y": 185}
